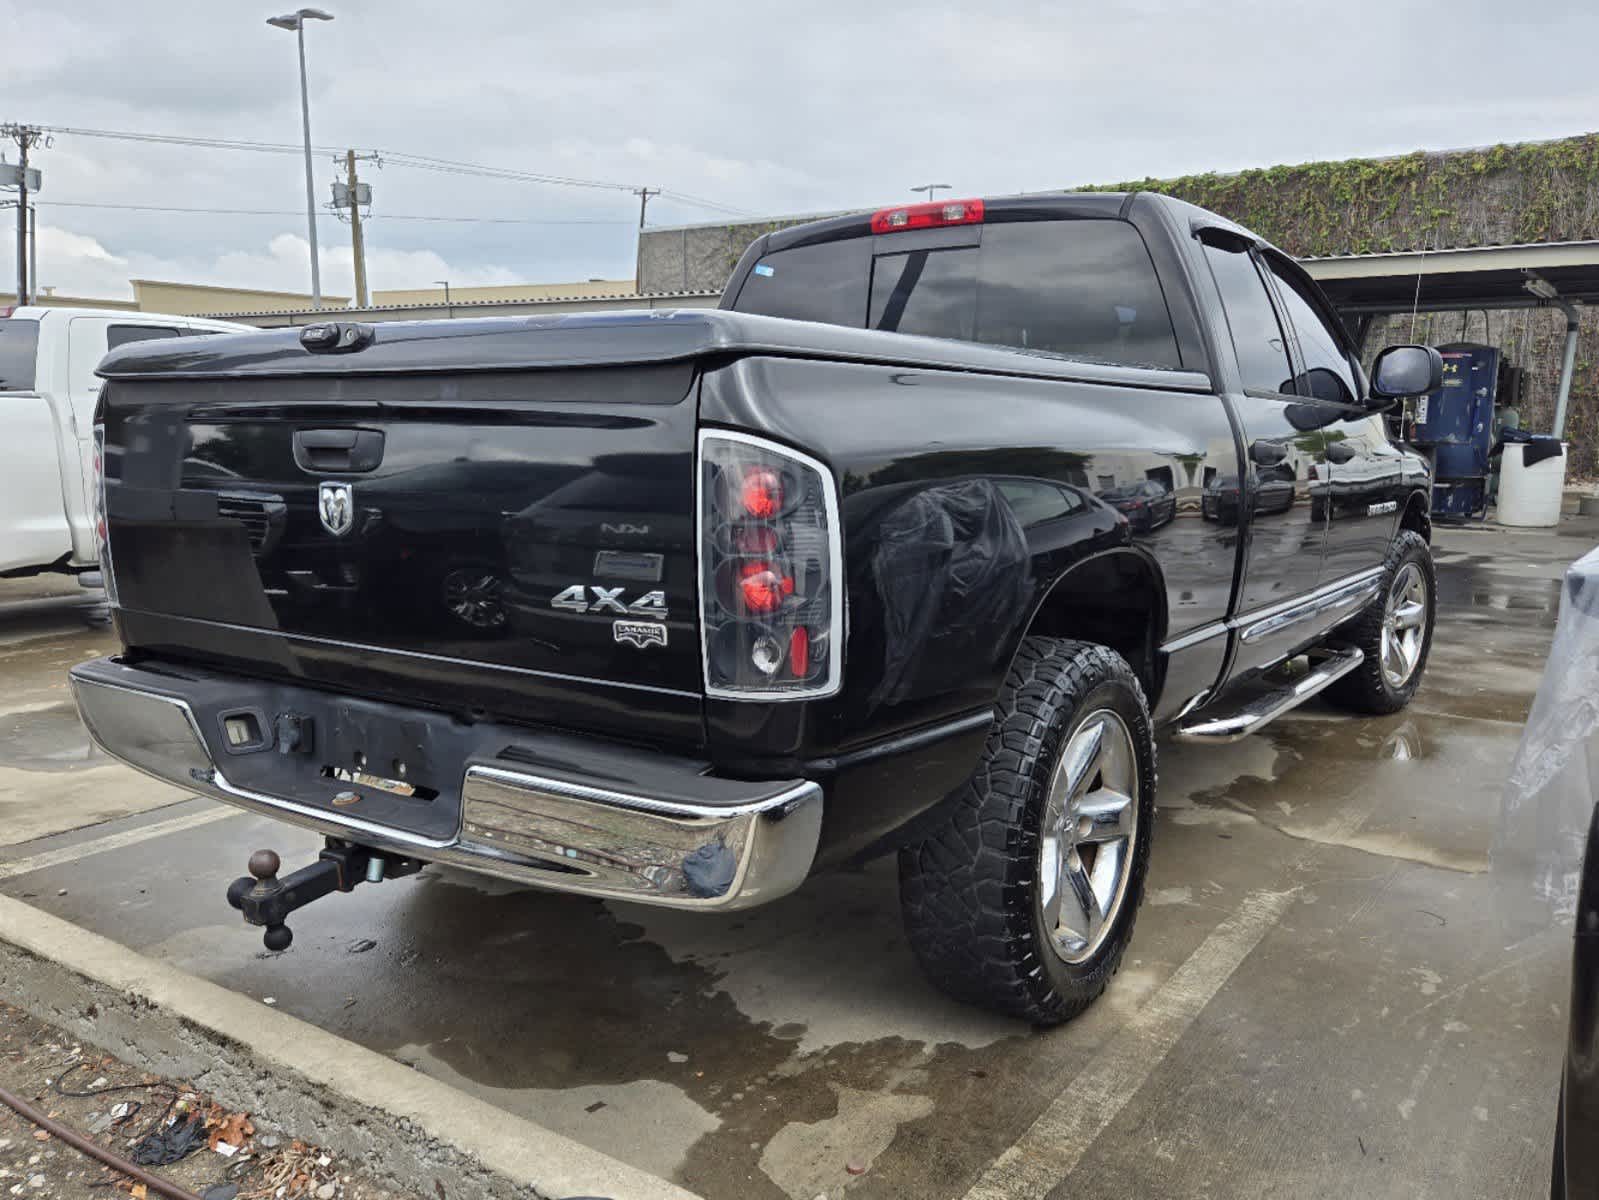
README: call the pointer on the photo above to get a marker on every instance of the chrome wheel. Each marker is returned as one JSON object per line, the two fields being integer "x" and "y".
{"x": 1404, "y": 625}
{"x": 1090, "y": 824}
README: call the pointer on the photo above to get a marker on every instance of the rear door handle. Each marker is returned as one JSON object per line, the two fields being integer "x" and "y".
{"x": 1267, "y": 454}
{"x": 1340, "y": 452}
{"x": 319, "y": 450}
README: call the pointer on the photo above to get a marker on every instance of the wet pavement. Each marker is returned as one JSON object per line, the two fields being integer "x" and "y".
{"x": 1321, "y": 995}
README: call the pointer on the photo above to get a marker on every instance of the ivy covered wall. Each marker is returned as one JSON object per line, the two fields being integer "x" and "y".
{"x": 1532, "y": 192}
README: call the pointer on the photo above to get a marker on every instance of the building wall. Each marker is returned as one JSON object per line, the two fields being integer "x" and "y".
{"x": 699, "y": 258}
{"x": 55, "y": 300}
{"x": 513, "y": 291}
{"x": 198, "y": 299}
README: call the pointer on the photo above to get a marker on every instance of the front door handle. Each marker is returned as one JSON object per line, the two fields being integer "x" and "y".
{"x": 1267, "y": 454}
{"x": 1340, "y": 452}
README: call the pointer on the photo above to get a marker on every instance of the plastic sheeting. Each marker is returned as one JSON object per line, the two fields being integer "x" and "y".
{"x": 1554, "y": 778}
{"x": 952, "y": 572}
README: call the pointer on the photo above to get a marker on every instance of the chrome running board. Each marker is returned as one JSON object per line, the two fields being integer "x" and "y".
{"x": 1260, "y": 711}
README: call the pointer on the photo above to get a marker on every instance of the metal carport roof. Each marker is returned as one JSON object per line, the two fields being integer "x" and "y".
{"x": 1470, "y": 277}
{"x": 1560, "y": 275}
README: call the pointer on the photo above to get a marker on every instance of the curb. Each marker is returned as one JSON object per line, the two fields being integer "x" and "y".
{"x": 399, "y": 1125}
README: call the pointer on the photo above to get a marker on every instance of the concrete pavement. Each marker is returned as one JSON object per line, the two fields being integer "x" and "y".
{"x": 1321, "y": 997}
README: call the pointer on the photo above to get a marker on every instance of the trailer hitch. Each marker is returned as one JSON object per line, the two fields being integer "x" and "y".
{"x": 266, "y": 900}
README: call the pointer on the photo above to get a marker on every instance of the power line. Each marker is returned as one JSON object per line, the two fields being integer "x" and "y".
{"x": 276, "y": 212}
{"x": 423, "y": 162}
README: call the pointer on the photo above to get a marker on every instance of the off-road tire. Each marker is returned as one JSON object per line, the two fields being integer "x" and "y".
{"x": 968, "y": 888}
{"x": 1366, "y": 689}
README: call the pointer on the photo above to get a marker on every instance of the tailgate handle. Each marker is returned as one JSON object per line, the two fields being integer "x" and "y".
{"x": 318, "y": 450}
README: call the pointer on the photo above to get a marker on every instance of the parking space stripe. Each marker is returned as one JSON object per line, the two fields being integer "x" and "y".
{"x": 114, "y": 841}
{"x": 1053, "y": 1145}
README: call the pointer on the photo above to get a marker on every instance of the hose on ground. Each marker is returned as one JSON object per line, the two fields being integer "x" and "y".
{"x": 154, "y": 1183}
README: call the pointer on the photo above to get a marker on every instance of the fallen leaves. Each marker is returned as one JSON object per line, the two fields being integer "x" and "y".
{"x": 234, "y": 1129}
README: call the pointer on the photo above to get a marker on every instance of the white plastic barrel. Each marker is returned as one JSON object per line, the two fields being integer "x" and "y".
{"x": 1530, "y": 496}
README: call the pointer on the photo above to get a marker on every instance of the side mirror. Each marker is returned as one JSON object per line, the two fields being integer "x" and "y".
{"x": 1405, "y": 371}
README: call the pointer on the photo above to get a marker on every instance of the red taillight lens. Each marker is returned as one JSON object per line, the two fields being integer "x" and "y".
{"x": 762, "y": 492}
{"x": 763, "y": 587}
{"x": 799, "y": 652}
{"x": 771, "y": 570}
{"x": 928, "y": 216}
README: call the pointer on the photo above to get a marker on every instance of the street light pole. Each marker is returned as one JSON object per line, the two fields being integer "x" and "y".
{"x": 296, "y": 21}
{"x": 449, "y": 310}
{"x": 930, "y": 188}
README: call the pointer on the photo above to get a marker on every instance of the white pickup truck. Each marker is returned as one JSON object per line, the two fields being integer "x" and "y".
{"x": 48, "y": 390}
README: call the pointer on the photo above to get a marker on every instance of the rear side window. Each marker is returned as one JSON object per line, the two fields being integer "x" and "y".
{"x": 19, "y": 349}
{"x": 825, "y": 282}
{"x": 1082, "y": 288}
{"x": 121, "y": 335}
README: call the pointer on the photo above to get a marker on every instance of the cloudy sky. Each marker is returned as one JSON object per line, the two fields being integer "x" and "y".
{"x": 765, "y": 108}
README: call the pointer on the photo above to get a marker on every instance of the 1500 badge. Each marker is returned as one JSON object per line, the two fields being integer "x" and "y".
{"x": 577, "y": 599}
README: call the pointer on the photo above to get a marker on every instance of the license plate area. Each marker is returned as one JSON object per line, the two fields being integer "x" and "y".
{"x": 354, "y": 759}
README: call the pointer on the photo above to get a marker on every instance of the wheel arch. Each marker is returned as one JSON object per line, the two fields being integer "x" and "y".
{"x": 1115, "y": 598}
{"x": 1417, "y": 515}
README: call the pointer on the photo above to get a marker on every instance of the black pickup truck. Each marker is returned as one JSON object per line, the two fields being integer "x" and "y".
{"x": 914, "y": 546}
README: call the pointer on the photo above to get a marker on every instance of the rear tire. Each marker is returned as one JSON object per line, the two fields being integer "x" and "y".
{"x": 1394, "y": 632}
{"x": 1022, "y": 899}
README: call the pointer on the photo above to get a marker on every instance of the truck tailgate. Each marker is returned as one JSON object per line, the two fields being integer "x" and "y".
{"x": 511, "y": 542}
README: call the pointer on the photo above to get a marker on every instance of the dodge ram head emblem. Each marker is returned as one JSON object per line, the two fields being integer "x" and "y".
{"x": 336, "y": 504}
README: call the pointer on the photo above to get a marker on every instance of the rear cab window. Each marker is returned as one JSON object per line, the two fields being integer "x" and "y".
{"x": 1084, "y": 288}
{"x": 19, "y": 352}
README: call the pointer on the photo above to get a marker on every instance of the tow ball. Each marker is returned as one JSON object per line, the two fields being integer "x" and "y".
{"x": 266, "y": 900}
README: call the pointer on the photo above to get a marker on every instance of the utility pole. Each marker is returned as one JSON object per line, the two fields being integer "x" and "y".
{"x": 357, "y": 247}
{"x": 352, "y": 194}
{"x": 644, "y": 195}
{"x": 26, "y": 137}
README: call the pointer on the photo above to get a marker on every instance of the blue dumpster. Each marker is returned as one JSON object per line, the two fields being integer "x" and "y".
{"x": 1455, "y": 423}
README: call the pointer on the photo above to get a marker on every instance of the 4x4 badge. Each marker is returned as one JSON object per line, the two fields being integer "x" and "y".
{"x": 336, "y": 504}
{"x": 640, "y": 633}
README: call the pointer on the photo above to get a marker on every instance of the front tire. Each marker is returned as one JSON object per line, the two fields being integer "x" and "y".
{"x": 1022, "y": 899}
{"x": 1394, "y": 632}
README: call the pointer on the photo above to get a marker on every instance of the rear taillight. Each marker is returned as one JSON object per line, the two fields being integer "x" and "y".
{"x": 928, "y": 216}
{"x": 771, "y": 571}
{"x": 102, "y": 530}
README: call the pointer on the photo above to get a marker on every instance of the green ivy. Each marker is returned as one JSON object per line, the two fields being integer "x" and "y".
{"x": 1530, "y": 192}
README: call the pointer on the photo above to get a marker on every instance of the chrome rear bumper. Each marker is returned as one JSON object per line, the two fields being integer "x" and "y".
{"x": 756, "y": 842}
